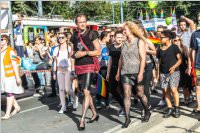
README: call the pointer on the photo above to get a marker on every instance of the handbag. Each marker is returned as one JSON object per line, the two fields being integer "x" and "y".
{"x": 95, "y": 58}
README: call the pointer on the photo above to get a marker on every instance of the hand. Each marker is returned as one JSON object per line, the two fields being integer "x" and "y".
{"x": 188, "y": 71}
{"x": 80, "y": 54}
{"x": 117, "y": 77}
{"x": 107, "y": 77}
{"x": 155, "y": 81}
{"x": 54, "y": 76}
{"x": 18, "y": 81}
{"x": 182, "y": 16}
{"x": 139, "y": 78}
{"x": 172, "y": 69}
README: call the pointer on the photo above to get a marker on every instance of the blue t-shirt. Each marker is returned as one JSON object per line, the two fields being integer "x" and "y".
{"x": 104, "y": 56}
{"x": 195, "y": 44}
{"x": 52, "y": 49}
{"x": 51, "y": 53}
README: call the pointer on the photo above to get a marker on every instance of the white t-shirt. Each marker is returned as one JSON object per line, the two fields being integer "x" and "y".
{"x": 63, "y": 59}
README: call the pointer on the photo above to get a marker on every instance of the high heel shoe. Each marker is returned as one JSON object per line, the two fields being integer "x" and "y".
{"x": 147, "y": 116}
{"x": 95, "y": 119}
{"x": 127, "y": 122}
{"x": 81, "y": 128}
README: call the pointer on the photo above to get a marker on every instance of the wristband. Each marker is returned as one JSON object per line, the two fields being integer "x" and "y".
{"x": 87, "y": 53}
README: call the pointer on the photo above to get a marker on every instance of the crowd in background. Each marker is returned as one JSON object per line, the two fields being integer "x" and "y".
{"x": 130, "y": 63}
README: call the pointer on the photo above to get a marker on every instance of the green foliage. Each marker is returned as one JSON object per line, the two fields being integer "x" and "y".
{"x": 100, "y": 10}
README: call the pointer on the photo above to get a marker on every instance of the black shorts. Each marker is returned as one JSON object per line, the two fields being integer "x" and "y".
{"x": 130, "y": 79}
{"x": 85, "y": 80}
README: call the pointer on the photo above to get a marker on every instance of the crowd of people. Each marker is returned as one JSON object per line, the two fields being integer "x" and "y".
{"x": 126, "y": 58}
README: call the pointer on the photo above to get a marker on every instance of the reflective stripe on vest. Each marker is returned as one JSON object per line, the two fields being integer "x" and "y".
{"x": 9, "y": 72}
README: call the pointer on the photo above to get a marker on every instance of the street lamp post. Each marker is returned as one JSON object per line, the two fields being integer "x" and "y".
{"x": 121, "y": 11}
{"x": 10, "y": 24}
{"x": 113, "y": 13}
{"x": 40, "y": 12}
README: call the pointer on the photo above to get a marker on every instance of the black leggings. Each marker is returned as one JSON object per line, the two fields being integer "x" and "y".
{"x": 116, "y": 87}
{"x": 148, "y": 75}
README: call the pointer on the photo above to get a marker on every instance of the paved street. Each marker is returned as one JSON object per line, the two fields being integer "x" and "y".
{"x": 41, "y": 115}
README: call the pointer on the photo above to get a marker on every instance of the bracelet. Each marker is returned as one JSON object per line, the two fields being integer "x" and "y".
{"x": 87, "y": 53}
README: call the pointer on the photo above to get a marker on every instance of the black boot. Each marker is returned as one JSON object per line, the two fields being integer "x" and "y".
{"x": 147, "y": 116}
{"x": 127, "y": 122}
{"x": 169, "y": 113}
{"x": 177, "y": 112}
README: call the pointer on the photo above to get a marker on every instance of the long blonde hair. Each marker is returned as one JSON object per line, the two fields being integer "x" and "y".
{"x": 133, "y": 27}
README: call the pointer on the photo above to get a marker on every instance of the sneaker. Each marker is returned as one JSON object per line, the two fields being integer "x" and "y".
{"x": 161, "y": 103}
{"x": 69, "y": 104}
{"x": 121, "y": 113}
{"x": 62, "y": 111}
{"x": 41, "y": 92}
{"x": 75, "y": 105}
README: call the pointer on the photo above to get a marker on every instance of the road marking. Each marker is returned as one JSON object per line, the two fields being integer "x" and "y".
{"x": 24, "y": 99}
{"x": 31, "y": 109}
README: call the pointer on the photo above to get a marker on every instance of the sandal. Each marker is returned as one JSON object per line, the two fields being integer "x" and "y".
{"x": 5, "y": 117}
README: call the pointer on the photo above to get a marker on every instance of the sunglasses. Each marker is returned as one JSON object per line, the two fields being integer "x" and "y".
{"x": 2, "y": 39}
{"x": 177, "y": 40}
{"x": 61, "y": 37}
{"x": 163, "y": 37}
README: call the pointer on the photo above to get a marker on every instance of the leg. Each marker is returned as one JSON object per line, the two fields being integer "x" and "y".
{"x": 16, "y": 106}
{"x": 127, "y": 103}
{"x": 9, "y": 104}
{"x": 167, "y": 98}
{"x": 85, "y": 106}
{"x": 144, "y": 101}
{"x": 176, "y": 96}
{"x": 61, "y": 84}
{"x": 148, "y": 75}
{"x": 169, "y": 104}
{"x": 176, "y": 102}
{"x": 198, "y": 97}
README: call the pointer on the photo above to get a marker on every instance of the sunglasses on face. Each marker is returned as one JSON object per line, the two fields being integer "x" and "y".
{"x": 2, "y": 39}
{"x": 61, "y": 37}
{"x": 111, "y": 35}
{"x": 81, "y": 22}
{"x": 177, "y": 40}
{"x": 162, "y": 37}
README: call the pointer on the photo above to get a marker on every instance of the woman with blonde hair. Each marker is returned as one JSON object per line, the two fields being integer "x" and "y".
{"x": 10, "y": 77}
{"x": 131, "y": 67}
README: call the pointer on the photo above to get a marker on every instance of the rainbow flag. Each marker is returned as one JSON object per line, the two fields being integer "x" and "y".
{"x": 162, "y": 14}
{"x": 101, "y": 86}
{"x": 155, "y": 41}
{"x": 174, "y": 12}
{"x": 141, "y": 15}
{"x": 154, "y": 13}
{"x": 170, "y": 11}
{"x": 147, "y": 15}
